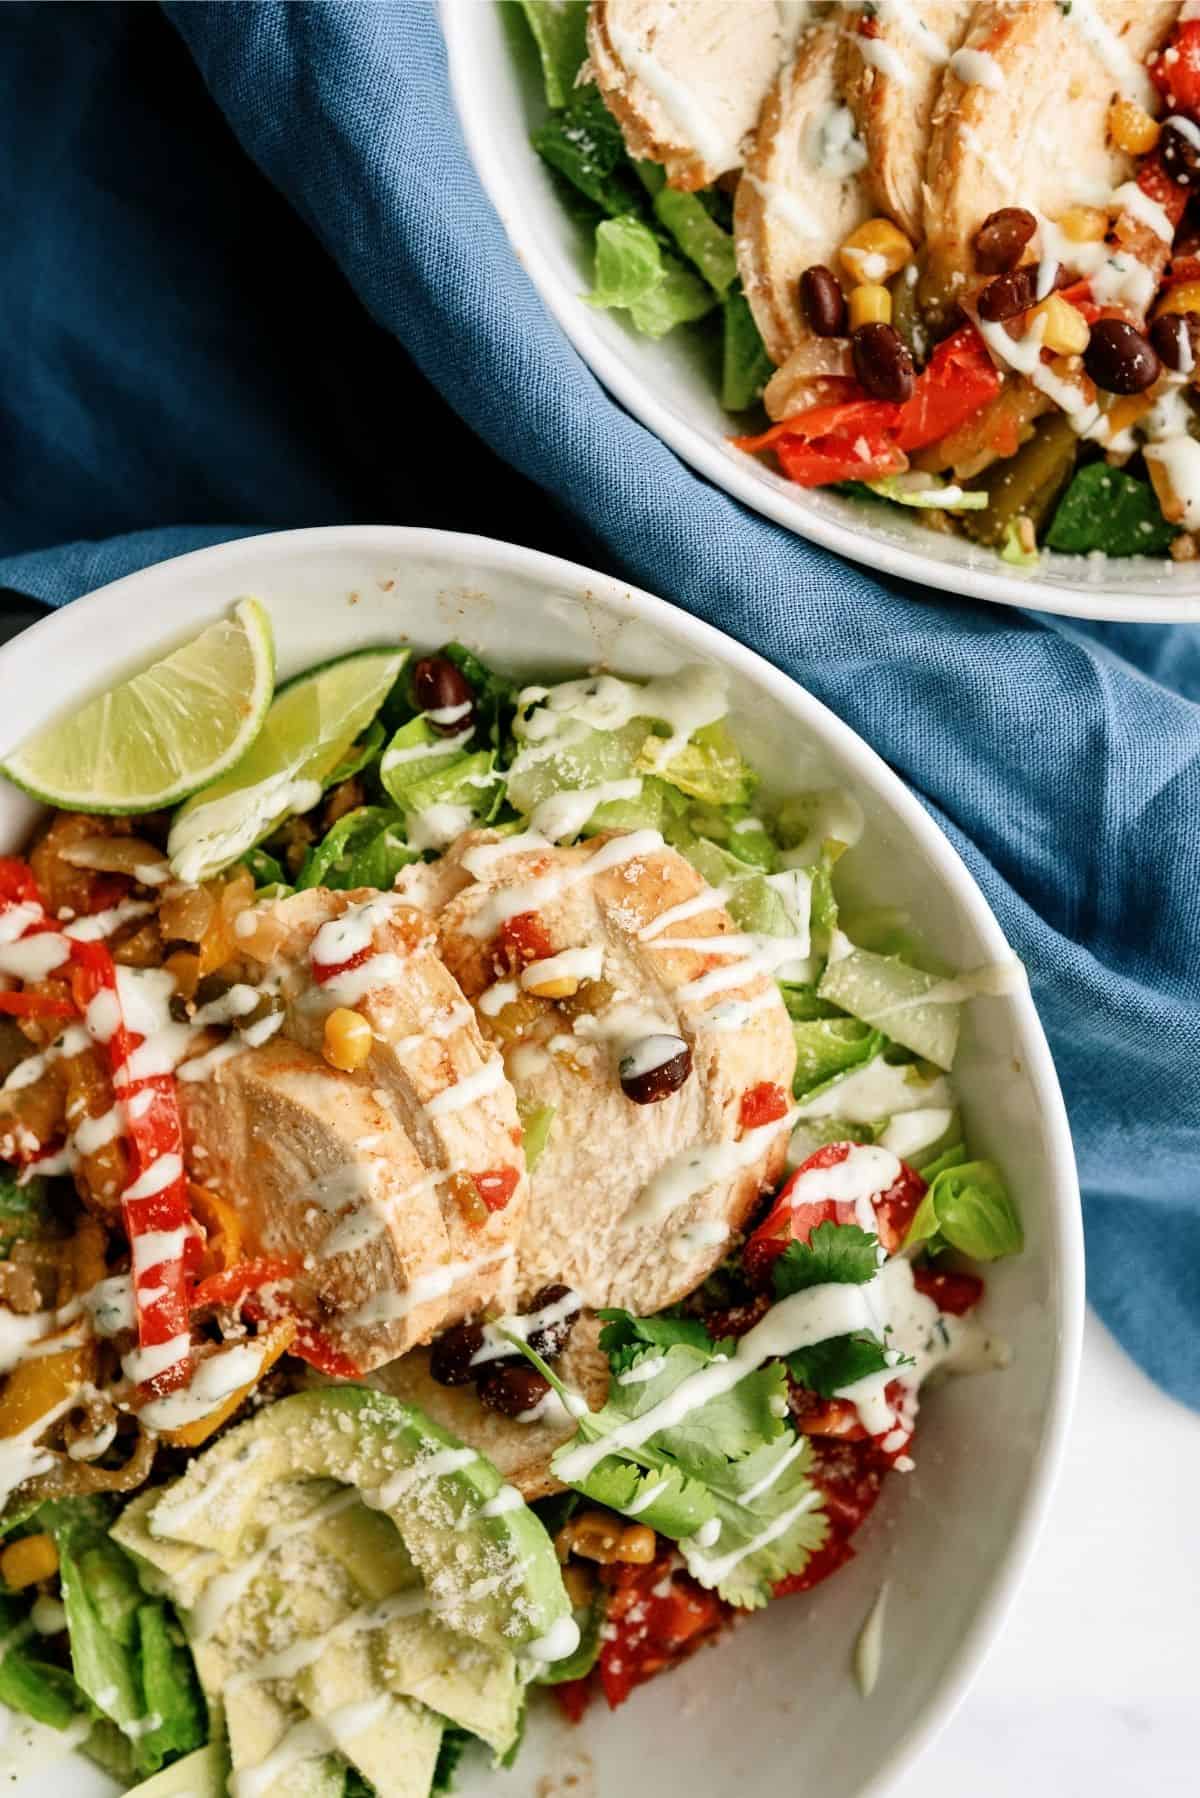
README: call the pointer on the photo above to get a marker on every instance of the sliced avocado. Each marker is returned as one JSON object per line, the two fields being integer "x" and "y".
{"x": 198, "y": 1775}
{"x": 175, "y": 1569}
{"x": 492, "y": 1574}
{"x": 475, "y": 1686}
{"x": 288, "y": 1754}
{"x": 392, "y": 1741}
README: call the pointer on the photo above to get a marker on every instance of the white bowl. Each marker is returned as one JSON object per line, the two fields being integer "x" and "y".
{"x": 671, "y": 388}
{"x": 774, "y": 1707}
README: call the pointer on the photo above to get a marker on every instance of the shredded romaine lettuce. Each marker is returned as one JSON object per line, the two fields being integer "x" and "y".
{"x": 968, "y": 1207}
{"x": 927, "y": 493}
{"x": 559, "y": 29}
{"x": 635, "y": 274}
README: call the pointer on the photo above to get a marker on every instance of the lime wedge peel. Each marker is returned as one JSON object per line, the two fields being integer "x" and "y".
{"x": 162, "y": 734}
{"x": 307, "y": 732}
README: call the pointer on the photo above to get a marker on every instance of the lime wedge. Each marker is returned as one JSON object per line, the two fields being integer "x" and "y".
{"x": 307, "y": 732}
{"x": 159, "y": 736}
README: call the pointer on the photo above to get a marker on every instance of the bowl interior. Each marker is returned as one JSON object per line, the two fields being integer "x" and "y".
{"x": 672, "y": 385}
{"x": 777, "y": 1696}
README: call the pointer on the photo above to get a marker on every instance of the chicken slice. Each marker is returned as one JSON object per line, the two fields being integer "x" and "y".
{"x": 322, "y": 1175}
{"x": 521, "y": 1452}
{"x": 428, "y": 1065}
{"x": 685, "y": 78}
{"x": 1035, "y": 132}
{"x": 891, "y": 63}
{"x": 631, "y": 1204}
{"x": 801, "y": 192}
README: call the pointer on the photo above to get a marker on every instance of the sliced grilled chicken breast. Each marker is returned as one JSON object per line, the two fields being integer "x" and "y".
{"x": 685, "y": 78}
{"x": 519, "y": 1451}
{"x": 574, "y": 958}
{"x": 323, "y": 1176}
{"x": 801, "y": 192}
{"x": 892, "y": 60}
{"x": 428, "y": 1065}
{"x": 1034, "y": 133}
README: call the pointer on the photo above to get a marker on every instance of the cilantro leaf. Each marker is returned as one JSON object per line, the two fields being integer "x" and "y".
{"x": 624, "y": 1337}
{"x": 826, "y": 1367}
{"x": 841, "y": 1254}
{"x": 771, "y": 1523}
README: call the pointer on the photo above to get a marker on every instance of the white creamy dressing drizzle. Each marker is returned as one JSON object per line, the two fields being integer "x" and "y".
{"x": 438, "y": 825}
{"x": 915, "y": 1130}
{"x": 214, "y": 1379}
{"x": 711, "y": 899}
{"x": 386, "y": 1307}
{"x": 353, "y": 932}
{"x": 649, "y": 1053}
{"x": 1171, "y": 447}
{"x": 578, "y": 964}
{"x": 100, "y": 924}
{"x": 906, "y": 17}
{"x": 832, "y": 145}
{"x": 27, "y": 1072}
{"x": 695, "y": 1170}
{"x": 878, "y": 54}
{"x": 419, "y": 752}
{"x": 250, "y": 812}
{"x": 1129, "y": 76}
{"x": 866, "y": 1172}
{"x": 224, "y": 1590}
{"x": 564, "y": 815}
{"x": 497, "y": 1337}
{"x": 20, "y": 1456}
{"x": 868, "y": 1650}
{"x": 494, "y": 998}
{"x": 466, "y": 1091}
{"x": 685, "y": 701}
{"x": 642, "y": 1371}
{"x": 536, "y": 894}
{"x": 783, "y": 203}
{"x": 975, "y": 68}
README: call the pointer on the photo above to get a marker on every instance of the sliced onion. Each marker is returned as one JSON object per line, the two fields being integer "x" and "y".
{"x": 797, "y": 384}
{"x": 116, "y": 855}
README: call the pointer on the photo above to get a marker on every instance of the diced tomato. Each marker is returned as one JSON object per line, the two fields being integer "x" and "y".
{"x": 35, "y": 1005}
{"x": 497, "y": 1186}
{"x": 323, "y": 971}
{"x": 233, "y": 1284}
{"x": 1159, "y": 185}
{"x": 790, "y": 1220}
{"x": 522, "y": 939}
{"x": 657, "y": 1615}
{"x": 1175, "y": 71}
{"x": 17, "y": 885}
{"x": 762, "y": 1104}
{"x": 958, "y": 381}
{"x": 850, "y": 1476}
{"x": 953, "y": 1293}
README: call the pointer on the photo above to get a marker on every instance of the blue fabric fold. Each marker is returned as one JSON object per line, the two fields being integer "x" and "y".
{"x": 237, "y": 252}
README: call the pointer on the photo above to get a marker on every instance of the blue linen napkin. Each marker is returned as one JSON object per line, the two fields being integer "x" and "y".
{"x": 210, "y": 304}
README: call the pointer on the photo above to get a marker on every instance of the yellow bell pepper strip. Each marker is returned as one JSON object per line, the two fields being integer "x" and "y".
{"x": 274, "y": 1342}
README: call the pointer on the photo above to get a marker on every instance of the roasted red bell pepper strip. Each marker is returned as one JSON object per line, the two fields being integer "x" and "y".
{"x": 35, "y": 1005}
{"x": 310, "y": 1342}
{"x": 959, "y": 379}
{"x": 1175, "y": 71}
{"x": 233, "y": 1284}
{"x": 154, "y": 1206}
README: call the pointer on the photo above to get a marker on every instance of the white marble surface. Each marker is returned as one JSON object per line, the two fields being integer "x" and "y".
{"x": 1093, "y": 1689}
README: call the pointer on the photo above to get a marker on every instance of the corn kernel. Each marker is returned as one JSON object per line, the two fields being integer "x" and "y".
{"x": 28, "y": 1560}
{"x": 637, "y": 1545}
{"x": 1131, "y": 128}
{"x": 1084, "y": 224}
{"x": 580, "y": 1586}
{"x": 595, "y": 1535}
{"x": 870, "y": 305}
{"x": 1184, "y": 297}
{"x": 1064, "y": 328}
{"x": 550, "y": 986}
{"x": 346, "y": 1043}
{"x": 875, "y": 252}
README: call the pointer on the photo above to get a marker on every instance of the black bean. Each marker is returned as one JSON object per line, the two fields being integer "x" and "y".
{"x": 1180, "y": 156}
{"x": 1001, "y": 239}
{"x": 1176, "y": 340}
{"x": 451, "y": 1355}
{"x": 511, "y": 1390}
{"x": 1119, "y": 359}
{"x": 1009, "y": 294}
{"x": 551, "y": 1339}
{"x": 438, "y": 686}
{"x": 670, "y": 1061}
{"x": 882, "y": 363}
{"x": 823, "y": 301}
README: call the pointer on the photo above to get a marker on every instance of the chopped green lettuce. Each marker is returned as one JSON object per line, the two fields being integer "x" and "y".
{"x": 454, "y": 1744}
{"x": 415, "y": 752}
{"x": 737, "y": 829}
{"x": 745, "y": 365}
{"x": 494, "y": 695}
{"x": 635, "y": 274}
{"x": 897, "y": 999}
{"x": 827, "y": 1047}
{"x": 925, "y": 492}
{"x": 1013, "y": 548}
{"x": 360, "y": 755}
{"x": 705, "y": 243}
{"x": 968, "y": 1207}
{"x": 762, "y": 904}
{"x": 710, "y": 766}
{"x": 583, "y": 142}
{"x": 35, "y": 1686}
{"x": 365, "y": 848}
{"x": 559, "y": 29}
{"x": 1108, "y": 510}
{"x": 586, "y": 758}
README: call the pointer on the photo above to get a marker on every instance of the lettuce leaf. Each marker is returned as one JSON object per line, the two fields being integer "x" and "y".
{"x": 635, "y": 274}
{"x": 1108, "y": 510}
{"x": 495, "y": 696}
{"x": 583, "y": 143}
{"x": 559, "y": 29}
{"x": 705, "y": 243}
{"x": 828, "y": 1047}
{"x": 368, "y": 749}
{"x": 710, "y": 767}
{"x": 745, "y": 365}
{"x": 365, "y": 848}
{"x": 968, "y": 1207}
{"x": 38, "y": 1688}
{"x": 897, "y": 999}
